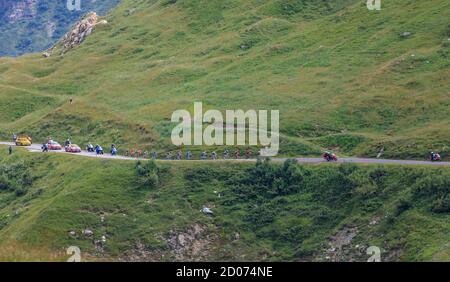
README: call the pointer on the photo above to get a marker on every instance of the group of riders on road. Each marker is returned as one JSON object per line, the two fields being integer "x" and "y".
{"x": 204, "y": 155}
{"x": 328, "y": 156}
{"x": 90, "y": 148}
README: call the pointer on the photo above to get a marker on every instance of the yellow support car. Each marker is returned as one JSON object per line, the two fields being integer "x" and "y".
{"x": 23, "y": 141}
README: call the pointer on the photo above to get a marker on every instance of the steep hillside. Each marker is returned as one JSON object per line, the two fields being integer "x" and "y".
{"x": 34, "y": 25}
{"x": 343, "y": 77}
{"x": 269, "y": 212}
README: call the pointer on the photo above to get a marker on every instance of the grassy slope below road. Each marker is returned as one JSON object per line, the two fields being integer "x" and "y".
{"x": 285, "y": 212}
{"x": 342, "y": 76}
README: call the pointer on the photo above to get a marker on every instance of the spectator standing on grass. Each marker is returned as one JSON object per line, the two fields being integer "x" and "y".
{"x": 10, "y": 150}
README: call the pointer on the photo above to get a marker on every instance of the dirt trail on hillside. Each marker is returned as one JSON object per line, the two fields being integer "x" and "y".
{"x": 37, "y": 148}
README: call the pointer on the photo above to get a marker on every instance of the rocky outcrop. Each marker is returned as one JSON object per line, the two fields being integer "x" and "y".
{"x": 77, "y": 34}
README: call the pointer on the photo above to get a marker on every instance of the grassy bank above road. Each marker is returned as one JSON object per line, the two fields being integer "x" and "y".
{"x": 356, "y": 81}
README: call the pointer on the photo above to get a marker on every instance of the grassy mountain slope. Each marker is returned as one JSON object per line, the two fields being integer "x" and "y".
{"x": 342, "y": 76}
{"x": 267, "y": 212}
{"x": 33, "y": 26}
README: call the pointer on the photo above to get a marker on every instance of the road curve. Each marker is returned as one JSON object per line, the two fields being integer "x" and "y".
{"x": 37, "y": 148}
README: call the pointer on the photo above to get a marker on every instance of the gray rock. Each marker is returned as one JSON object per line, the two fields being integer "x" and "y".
{"x": 88, "y": 232}
{"x": 406, "y": 34}
{"x": 207, "y": 211}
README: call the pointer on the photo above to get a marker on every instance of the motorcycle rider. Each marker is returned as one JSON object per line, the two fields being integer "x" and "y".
{"x": 99, "y": 150}
{"x": 90, "y": 147}
{"x": 113, "y": 150}
{"x": 329, "y": 156}
{"x": 434, "y": 156}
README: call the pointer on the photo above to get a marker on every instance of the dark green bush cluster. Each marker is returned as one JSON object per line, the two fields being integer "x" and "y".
{"x": 16, "y": 177}
{"x": 296, "y": 207}
{"x": 199, "y": 177}
{"x": 267, "y": 181}
{"x": 148, "y": 174}
{"x": 435, "y": 188}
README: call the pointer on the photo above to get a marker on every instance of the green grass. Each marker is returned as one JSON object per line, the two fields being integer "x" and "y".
{"x": 281, "y": 212}
{"x": 342, "y": 76}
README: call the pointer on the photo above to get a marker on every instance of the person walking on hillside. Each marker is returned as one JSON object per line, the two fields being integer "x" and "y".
{"x": 44, "y": 148}
{"x": 10, "y": 150}
{"x": 14, "y": 137}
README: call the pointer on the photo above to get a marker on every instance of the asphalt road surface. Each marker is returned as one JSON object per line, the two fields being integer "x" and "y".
{"x": 37, "y": 148}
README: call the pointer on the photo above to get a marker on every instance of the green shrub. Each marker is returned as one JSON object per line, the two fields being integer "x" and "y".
{"x": 148, "y": 174}
{"x": 435, "y": 190}
{"x": 16, "y": 177}
{"x": 401, "y": 206}
{"x": 441, "y": 205}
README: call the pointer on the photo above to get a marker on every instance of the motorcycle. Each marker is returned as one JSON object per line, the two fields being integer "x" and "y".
{"x": 330, "y": 157}
{"x": 435, "y": 158}
{"x": 99, "y": 150}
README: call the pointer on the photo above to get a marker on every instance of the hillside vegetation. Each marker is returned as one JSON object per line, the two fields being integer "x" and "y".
{"x": 343, "y": 77}
{"x": 263, "y": 212}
